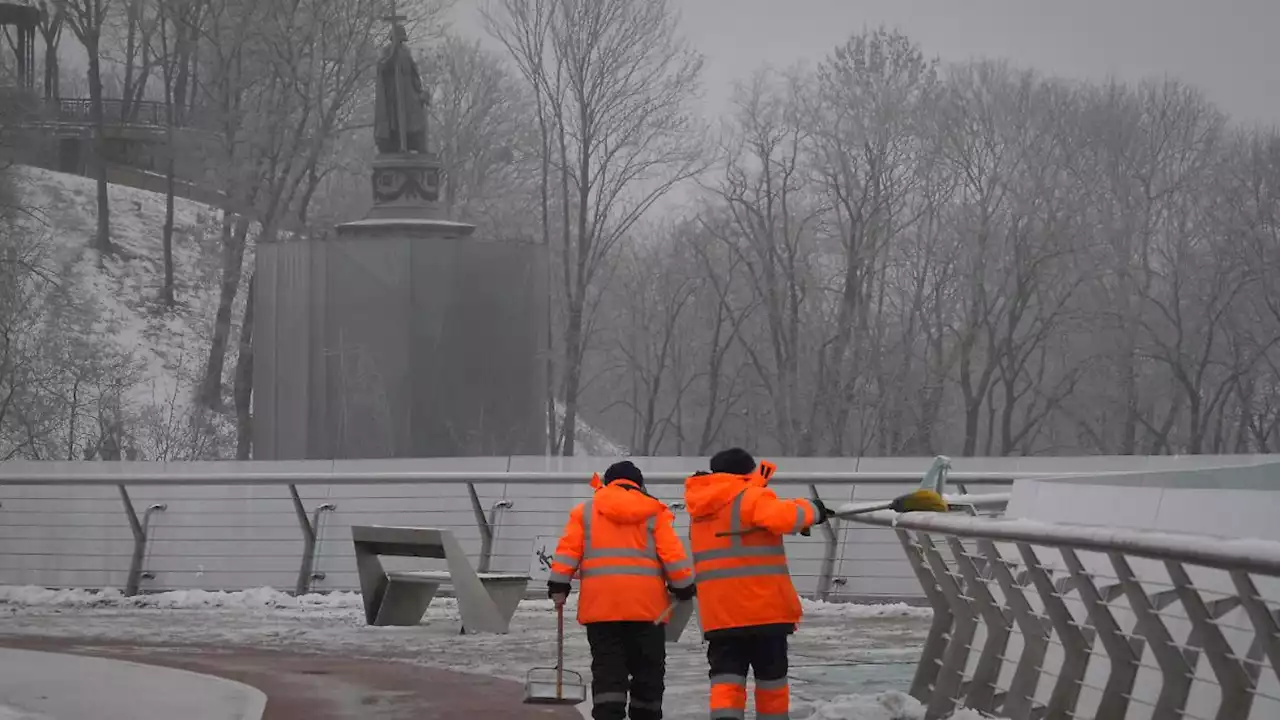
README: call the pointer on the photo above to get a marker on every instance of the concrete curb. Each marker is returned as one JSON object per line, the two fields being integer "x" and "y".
{"x": 82, "y": 687}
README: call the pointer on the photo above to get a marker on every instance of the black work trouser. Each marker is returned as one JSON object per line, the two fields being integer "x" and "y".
{"x": 628, "y": 661}
{"x": 732, "y": 658}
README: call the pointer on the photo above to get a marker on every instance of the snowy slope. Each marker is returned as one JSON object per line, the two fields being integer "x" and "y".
{"x": 169, "y": 347}
{"x": 166, "y": 348}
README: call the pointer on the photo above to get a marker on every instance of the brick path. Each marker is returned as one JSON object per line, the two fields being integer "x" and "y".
{"x": 325, "y": 687}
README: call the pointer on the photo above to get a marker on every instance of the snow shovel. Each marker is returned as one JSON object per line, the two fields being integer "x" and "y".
{"x": 540, "y": 688}
{"x": 666, "y": 613}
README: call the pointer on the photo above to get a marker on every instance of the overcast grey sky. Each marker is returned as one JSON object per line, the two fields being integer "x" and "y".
{"x": 1228, "y": 48}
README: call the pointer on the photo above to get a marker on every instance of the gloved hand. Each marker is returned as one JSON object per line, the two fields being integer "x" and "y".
{"x": 823, "y": 513}
{"x": 558, "y": 592}
{"x": 684, "y": 594}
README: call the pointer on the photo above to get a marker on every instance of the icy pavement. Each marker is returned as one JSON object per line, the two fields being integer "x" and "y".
{"x": 8, "y": 712}
{"x": 840, "y": 650}
{"x": 109, "y": 689}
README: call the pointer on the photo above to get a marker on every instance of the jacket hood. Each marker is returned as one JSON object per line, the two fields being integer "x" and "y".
{"x": 706, "y": 494}
{"x": 624, "y": 502}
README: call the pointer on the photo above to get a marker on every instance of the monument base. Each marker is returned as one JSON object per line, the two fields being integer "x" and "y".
{"x": 406, "y": 195}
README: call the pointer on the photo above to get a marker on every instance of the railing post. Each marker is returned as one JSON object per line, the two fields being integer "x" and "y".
{"x": 1075, "y": 644}
{"x": 1266, "y": 629}
{"x": 1123, "y": 652}
{"x": 493, "y": 525}
{"x": 486, "y": 531}
{"x": 1020, "y": 699}
{"x": 306, "y": 569}
{"x": 982, "y": 686}
{"x": 1234, "y": 683}
{"x": 831, "y": 544}
{"x": 939, "y": 630}
{"x": 133, "y": 582}
{"x": 1175, "y": 672}
{"x": 955, "y": 658}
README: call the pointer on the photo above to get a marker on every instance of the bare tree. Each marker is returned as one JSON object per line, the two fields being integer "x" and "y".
{"x": 87, "y": 18}
{"x": 869, "y": 120}
{"x": 770, "y": 216}
{"x": 613, "y": 80}
{"x": 176, "y": 34}
{"x": 652, "y": 296}
{"x": 51, "y": 24}
{"x": 140, "y": 18}
{"x": 479, "y": 113}
{"x": 722, "y": 319}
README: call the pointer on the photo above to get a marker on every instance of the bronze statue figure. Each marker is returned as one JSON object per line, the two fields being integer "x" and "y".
{"x": 400, "y": 115}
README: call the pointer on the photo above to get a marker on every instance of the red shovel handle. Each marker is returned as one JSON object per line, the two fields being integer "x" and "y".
{"x": 559, "y": 652}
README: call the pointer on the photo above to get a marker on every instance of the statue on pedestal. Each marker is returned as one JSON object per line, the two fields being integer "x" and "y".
{"x": 400, "y": 116}
{"x": 406, "y": 176}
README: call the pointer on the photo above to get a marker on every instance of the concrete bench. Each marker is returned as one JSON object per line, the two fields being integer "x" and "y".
{"x": 486, "y": 601}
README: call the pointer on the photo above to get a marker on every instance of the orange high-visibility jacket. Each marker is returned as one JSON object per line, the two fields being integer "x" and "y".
{"x": 622, "y": 545}
{"x": 735, "y": 534}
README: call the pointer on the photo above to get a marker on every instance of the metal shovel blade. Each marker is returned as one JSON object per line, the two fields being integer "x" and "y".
{"x": 542, "y": 687}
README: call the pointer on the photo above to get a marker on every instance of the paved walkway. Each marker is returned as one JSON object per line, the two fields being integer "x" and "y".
{"x": 77, "y": 687}
{"x": 316, "y": 687}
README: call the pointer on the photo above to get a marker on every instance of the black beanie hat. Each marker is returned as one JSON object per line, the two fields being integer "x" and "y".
{"x": 625, "y": 470}
{"x": 734, "y": 461}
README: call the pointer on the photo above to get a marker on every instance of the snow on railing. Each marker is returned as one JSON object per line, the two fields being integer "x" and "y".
{"x": 1042, "y": 620}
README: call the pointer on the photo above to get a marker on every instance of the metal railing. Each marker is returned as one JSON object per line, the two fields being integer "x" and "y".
{"x": 148, "y": 113}
{"x": 211, "y": 536}
{"x": 1040, "y": 620}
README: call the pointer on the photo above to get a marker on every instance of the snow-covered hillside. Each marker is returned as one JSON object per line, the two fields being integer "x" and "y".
{"x": 119, "y": 315}
{"x": 171, "y": 345}
{"x": 158, "y": 352}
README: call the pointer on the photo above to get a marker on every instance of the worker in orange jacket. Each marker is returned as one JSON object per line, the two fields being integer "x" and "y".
{"x": 622, "y": 546}
{"x": 746, "y": 601}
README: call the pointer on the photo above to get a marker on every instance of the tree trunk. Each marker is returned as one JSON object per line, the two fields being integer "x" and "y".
{"x": 572, "y": 375}
{"x": 244, "y": 380}
{"x": 51, "y": 42}
{"x": 232, "y": 268}
{"x": 166, "y": 291}
{"x": 102, "y": 240}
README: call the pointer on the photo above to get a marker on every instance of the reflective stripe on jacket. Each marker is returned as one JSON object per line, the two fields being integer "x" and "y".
{"x": 735, "y": 533}
{"x": 622, "y": 545}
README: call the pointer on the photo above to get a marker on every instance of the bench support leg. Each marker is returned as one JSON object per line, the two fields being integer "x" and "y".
{"x": 478, "y": 610}
{"x": 373, "y": 582}
{"x": 404, "y": 603}
{"x": 506, "y": 596}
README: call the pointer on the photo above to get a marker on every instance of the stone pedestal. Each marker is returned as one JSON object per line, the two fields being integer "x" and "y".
{"x": 406, "y": 186}
{"x": 404, "y": 336}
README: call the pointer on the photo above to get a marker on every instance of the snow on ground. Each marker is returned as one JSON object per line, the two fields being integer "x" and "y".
{"x": 588, "y": 440}
{"x": 8, "y": 712}
{"x": 840, "y": 650}
{"x": 170, "y": 345}
{"x": 883, "y": 706}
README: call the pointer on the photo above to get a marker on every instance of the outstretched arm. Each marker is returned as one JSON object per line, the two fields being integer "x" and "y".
{"x": 782, "y": 517}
